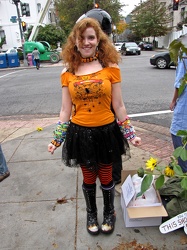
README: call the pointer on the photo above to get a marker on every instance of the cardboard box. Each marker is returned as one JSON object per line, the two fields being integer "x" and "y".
{"x": 139, "y": 216}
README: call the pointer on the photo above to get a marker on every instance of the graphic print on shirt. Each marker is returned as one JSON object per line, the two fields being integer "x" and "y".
{"x": 89, "y": 91}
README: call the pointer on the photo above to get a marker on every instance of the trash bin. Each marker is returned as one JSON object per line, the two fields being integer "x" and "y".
{"x": 13, "y": 60}
{"x": 3, "y": 60}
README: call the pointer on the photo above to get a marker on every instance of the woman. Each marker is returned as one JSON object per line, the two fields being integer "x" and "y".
{"x": 93, "y": 139}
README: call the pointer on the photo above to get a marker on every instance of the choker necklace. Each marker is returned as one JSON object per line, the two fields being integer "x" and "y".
{"x": 90, "y": 59}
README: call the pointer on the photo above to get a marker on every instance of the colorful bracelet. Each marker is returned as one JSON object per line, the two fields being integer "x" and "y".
{"x": 127, "y": 129}
{"x": 60, "y": 133}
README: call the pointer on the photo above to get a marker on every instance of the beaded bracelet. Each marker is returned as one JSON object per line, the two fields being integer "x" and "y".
{"x": 127, "y": 129}
{"x": 60, "y": 133}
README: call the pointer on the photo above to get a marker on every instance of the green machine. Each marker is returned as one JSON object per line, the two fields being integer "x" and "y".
{"x": 46, "y": 54}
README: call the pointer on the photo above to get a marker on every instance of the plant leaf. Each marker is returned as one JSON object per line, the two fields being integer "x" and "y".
{"x": 182, "y": 86}
{"x": 177, "y": 152}
{"x": 159, "y": 181}
{"x": 183, "y": 154}
{"x": 184, "y": 183}
{"x": 178, "y": 170}
{"x": 146, "y": 182}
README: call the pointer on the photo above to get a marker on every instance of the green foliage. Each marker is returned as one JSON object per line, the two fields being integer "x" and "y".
{"x": 51, "y": 34}
{"x": 3, "y": 39}
{"x": 69, "y": 11}
{"x": 27, "y": 34}
{"x": 146, "y": 182}
{"x": 171, "y": 171}
{"x": 159, "y": 181}
{"x": 177, "y": 50}
{"x": 150, "y": 19}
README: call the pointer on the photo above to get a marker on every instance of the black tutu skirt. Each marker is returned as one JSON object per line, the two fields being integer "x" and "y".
{"x": 89, "y": 146}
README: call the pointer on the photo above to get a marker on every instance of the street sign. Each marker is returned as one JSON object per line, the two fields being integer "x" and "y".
{"x": 13, "y": 19}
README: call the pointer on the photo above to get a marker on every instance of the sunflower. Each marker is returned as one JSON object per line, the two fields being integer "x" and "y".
{"x": 169, "y": 171}
{"x": 151, "y": 163}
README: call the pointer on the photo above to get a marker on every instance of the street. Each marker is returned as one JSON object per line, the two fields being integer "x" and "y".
{"x": 31, "y": 92}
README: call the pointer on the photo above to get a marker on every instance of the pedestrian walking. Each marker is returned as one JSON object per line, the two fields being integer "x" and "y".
{"x": 179, "y": 107}
{"x": 4, "y": 172}
{"x": 91, "y": 136}
{"x": 36, "y": 55}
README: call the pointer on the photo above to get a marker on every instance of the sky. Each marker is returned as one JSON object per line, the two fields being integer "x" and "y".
{"x": 130, "y": 5}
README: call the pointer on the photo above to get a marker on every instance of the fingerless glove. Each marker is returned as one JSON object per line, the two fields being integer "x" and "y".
{"x": 127, "y": 129}
{"x": 60, "y": 133}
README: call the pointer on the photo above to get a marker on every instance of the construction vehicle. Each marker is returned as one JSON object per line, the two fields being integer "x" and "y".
{"x": 46, "y": 54}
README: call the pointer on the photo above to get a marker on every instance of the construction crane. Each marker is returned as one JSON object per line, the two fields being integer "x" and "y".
{"x": 39, "y": 20}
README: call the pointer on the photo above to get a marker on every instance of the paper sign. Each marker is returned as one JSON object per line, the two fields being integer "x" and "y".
{"x": 128, "y": 190}
{"x": 174, "y": 223}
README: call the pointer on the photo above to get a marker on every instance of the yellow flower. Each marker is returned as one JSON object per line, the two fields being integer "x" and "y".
{"x": 169, "y": 171}
{"x": 151, "y": 163}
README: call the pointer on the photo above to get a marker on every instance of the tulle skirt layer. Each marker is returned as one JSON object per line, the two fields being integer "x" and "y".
{"x": 89, "y": 146}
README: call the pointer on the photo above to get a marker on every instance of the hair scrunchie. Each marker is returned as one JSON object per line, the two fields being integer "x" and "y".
{"x": 60, "y": 133}
{"x": 127, "y": 129}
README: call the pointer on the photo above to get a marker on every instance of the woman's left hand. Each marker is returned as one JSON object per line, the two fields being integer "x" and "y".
{"x": 136, "y": 141}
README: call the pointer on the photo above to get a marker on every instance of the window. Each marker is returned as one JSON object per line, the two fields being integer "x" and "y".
{"x": 39, "y": 7}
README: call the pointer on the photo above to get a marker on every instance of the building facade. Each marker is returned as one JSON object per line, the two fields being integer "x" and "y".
{"x": 38, "y": 12}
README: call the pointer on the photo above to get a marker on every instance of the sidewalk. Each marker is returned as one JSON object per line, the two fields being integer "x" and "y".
{"x": 31, "y": 217}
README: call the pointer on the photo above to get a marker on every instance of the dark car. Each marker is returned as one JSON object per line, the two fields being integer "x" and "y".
{"x": 162, "y": 60}
{"x": 145, "y": 46}
{"x": 130, "y": 48}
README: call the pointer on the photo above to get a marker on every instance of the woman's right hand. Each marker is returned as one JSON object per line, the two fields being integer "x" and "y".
{"x": 51, "y": 148}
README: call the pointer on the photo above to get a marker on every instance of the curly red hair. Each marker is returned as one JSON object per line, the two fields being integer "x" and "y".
{"x": 107, "y": 52}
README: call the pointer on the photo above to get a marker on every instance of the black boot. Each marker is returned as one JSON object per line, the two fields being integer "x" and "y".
{"x": 109, "y": 215}
{"x": 90, "y": 197}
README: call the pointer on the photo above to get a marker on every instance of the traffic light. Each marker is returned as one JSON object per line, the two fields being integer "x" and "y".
{"x": 96, "y": 5}
{"x": 24, "y": 26}
{"x": 25, "y": 10}
{"x": 175, "y": 4}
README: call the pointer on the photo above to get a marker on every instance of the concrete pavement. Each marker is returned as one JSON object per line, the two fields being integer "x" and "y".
{"x": 42, "y": 205}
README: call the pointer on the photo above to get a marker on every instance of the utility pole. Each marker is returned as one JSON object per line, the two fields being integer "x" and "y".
{"x": 21, "y": 32}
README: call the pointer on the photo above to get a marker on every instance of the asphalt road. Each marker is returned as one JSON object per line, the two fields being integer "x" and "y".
{"x": 31, "y": 92}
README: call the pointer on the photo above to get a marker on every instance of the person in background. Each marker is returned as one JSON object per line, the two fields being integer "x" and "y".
{"x": 4, "y": 173}
{"x": 93, "y": 139}
{"x": 36, "y": 56}
{"x": 179, "y": 107}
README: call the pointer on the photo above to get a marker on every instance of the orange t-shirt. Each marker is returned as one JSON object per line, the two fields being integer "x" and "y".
{"x": 91, "y": 96}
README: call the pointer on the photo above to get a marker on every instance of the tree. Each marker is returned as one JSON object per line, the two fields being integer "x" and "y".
{"x": 69, "y": 11}
{"x": 151, "y": 18}
{"x": 3, "y": 39}
{"x": 51, "y": 34}
{"x": 121, "y": 26}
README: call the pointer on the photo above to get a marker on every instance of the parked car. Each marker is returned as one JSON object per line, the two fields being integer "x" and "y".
{"x": 118, "y": 46}
{"x": 16, "y": 50}
{"x": 145, "y": 46}
{"x": 130, "y": 48}
{"x": 162, "y": 60}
